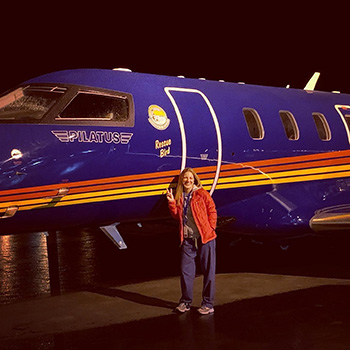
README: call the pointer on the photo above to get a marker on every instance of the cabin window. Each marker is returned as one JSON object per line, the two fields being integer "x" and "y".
{"x": 290, "y": 125}
{"x": 322, "y": 126}
{"x": 254, "y": 124}
{"x": 28, "y": 104}
{"x": 90, "y": 106}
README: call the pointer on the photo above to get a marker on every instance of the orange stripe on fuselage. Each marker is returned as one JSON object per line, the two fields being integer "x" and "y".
{"x": 166, "y": 177}
{"x": 303, "y": 165}
{"x": 288, "y": 160}
{"x": 124, "y": 180}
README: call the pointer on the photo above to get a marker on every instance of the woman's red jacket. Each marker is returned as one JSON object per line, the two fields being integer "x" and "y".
{"x": 203, "y": 211}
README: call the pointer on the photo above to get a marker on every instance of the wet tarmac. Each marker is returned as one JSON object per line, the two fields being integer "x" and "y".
{"x": 267, "y": 298}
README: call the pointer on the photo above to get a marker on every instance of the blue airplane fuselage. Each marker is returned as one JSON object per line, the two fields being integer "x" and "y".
{"x": 65, "y": 169}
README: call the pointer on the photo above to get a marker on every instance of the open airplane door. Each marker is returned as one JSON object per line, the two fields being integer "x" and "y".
{"x": 200, "y": 134}
{"x": 337, "y": 217}
{"x": 344, "y": 112}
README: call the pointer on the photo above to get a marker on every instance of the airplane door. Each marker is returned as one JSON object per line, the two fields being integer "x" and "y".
{"x": 200, "y": 132}
{"x": 344, "y": 112}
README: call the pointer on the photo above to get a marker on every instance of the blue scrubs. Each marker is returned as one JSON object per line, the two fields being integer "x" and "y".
{"x": 207, "y": 259}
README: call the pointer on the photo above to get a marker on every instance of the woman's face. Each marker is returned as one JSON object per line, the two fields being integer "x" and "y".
{"x": 188, "y": 181}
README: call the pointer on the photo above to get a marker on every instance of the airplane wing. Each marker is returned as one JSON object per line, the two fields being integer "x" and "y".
{"x": 336, "y": 218}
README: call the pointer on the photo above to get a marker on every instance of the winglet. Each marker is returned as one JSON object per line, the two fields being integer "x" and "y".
{"x": 312, "y": 82}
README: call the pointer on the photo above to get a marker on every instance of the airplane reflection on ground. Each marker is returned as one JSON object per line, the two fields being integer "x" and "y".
{"x": 23, "y": 266}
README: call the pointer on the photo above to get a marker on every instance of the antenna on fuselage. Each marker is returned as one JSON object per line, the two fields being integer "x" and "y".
{"x": 310, "y": 86}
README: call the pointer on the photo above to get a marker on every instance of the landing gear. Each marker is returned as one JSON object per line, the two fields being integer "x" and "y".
{"x": 113, "y": 234}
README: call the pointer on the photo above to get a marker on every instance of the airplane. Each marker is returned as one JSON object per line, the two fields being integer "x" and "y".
{"x": 98, "y": 147}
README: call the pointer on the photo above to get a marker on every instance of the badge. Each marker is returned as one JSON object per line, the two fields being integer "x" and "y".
{"x": 157, "y": 117}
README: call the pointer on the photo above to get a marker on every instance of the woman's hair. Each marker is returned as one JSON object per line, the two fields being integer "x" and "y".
{"x": 179, "y": 187}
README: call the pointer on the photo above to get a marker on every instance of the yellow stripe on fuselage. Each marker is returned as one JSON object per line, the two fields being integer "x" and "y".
{"x": 272, "y": 177}
{"x": 96, "y": 199}
{"x": 91, "y": 196}
{"x": 284, "y": 180}
{"x": 131, "y": 186}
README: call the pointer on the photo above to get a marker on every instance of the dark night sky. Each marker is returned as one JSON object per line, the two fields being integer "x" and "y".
{"x": 261, "y": 44}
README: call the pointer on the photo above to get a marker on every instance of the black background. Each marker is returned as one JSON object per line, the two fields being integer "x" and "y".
{"x": 257, "y": 43}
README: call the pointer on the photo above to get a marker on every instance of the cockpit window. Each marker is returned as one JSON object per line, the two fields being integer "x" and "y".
{"x": 28, "y": 104}
{"x": 87, "y": 106}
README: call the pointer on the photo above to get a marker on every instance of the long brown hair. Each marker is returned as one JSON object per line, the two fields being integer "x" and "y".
{"x": 179, "y": 187}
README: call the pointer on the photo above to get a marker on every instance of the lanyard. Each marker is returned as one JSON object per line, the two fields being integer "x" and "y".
{"x": 187, "y": 199}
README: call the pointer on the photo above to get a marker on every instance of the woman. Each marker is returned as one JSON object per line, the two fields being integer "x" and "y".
{"x": 195, "y": 210}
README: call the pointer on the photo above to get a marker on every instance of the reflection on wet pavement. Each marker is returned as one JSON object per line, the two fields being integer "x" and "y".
{"x": 316, "y": 317}
{"x": 23, "y": 267}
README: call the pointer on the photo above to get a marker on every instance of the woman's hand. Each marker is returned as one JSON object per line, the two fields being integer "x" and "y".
{"x": 169, "y": 195}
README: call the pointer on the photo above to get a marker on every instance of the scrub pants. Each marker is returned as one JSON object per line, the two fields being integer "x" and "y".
{"x": 207, "y": 259}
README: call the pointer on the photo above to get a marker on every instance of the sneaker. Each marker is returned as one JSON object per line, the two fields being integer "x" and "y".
{"x": 183, "y": 307}
{"x": 204, "y": 310}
